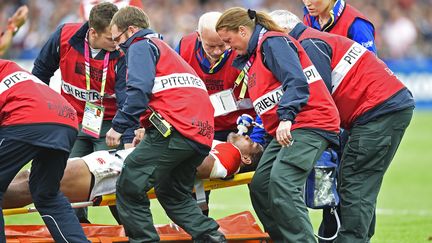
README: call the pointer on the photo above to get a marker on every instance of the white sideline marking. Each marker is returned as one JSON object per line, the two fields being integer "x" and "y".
{"x": 420, "y": 212}
{"x": 380, "y": 211}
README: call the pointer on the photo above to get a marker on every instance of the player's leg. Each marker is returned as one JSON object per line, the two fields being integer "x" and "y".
{"x": 18, "y": 192}
{"x": 76, "y": 181}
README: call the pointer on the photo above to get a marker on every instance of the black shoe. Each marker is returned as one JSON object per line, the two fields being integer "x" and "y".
{"x": 213, "y": 237}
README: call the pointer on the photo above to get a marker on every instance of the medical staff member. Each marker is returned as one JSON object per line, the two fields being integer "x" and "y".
{"x": 38, "y": 125}
{"x": 168, "y": 99}
{"x": 375, "y": 108}
{"x": 212, "y": 60}
{"x": 93, "y": 74}
{"x": 93, "y": 78}
{"x": 338, "y": 17}
{"x": 296, "y": 109}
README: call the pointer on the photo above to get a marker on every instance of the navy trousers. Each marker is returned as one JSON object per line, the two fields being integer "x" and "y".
{"x": 46, "y": 172}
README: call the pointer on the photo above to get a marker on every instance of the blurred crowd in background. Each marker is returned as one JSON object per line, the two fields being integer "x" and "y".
{"x": 403, "y": 27}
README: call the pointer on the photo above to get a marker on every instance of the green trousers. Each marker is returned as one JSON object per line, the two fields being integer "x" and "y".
{"x": 86, "y": 144}
{"x": 276, "y": 189}
{"x": 169, "y": 164}
{"x": 366, "y": 157}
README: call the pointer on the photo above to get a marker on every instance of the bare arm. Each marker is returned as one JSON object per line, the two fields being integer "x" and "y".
{"x": 204, "y": 170}
{"x": 14, "y": 23}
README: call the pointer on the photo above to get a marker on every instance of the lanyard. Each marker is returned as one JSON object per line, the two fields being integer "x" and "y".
{"x": 221, "y": 58}
{"x": 202, "y": 57}
{"x": 87, "y": 69}
{"x": 244, "y": 76}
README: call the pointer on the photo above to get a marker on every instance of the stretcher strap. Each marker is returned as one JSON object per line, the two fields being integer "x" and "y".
{"x": 200, "y": 194}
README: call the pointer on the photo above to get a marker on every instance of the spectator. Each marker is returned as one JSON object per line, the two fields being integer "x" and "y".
{"x": 14, "y": 23}
{"x": 86, "y": 6}
{"x": 399, "y": 44}
{"x": 46, "y": 15}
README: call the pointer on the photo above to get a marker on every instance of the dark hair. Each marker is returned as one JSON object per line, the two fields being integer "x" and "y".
{"x": 235, "y": 17}
{"x": 101, "y": 15}
{"x": 255, "y": 158}
{"x": 130, "y": 16}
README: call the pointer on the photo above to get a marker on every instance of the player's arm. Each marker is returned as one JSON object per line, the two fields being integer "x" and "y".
{"x": 206, "y": 167}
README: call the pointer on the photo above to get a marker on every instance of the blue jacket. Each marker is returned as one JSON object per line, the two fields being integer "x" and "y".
{"x": 141, "y": 59}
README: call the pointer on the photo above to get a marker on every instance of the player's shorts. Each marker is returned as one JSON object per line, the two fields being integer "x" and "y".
{"x": 105, "y": 167}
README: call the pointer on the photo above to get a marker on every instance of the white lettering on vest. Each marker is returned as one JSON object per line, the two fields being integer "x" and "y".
{"x": 80, "y": 94}
{"x": 268, "y": 101}
{"x": 348, "y": 60}
{"x": 15, "y": 78}
{"x": 311, "y": 74}
{"x": 177, "y": 80}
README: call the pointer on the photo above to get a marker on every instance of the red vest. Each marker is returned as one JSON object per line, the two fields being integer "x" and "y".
{"x": 25, "y": 100}
{"x": 180, "y": 96}
{"x": 73, "y": 77}
{"x": 266, "y": 91}
{"x": 223, "y": 79}
{"x": 346, "y": 19}
{"x": 360, "y": 80}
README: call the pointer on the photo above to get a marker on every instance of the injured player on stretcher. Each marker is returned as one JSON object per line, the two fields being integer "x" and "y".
{"x": 96, "y": 174}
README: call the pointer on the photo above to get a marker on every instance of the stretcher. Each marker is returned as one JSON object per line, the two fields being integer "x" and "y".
{"x": 110, "y": 199}
{"x": 240, "y": 227}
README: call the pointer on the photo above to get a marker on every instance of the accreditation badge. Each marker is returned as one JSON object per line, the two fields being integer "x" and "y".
{"x": 92, "y": 119}
{"x": 223, "y": 102}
